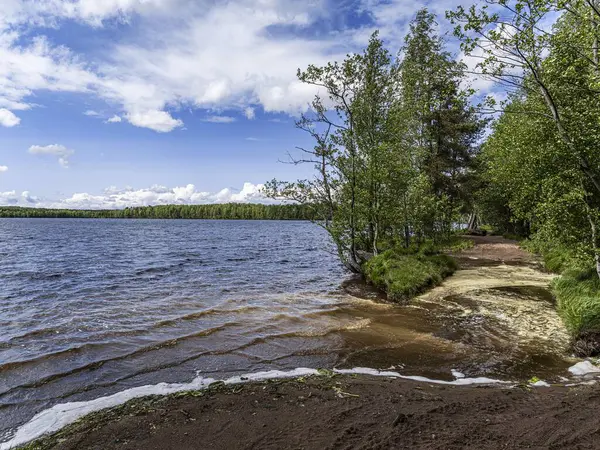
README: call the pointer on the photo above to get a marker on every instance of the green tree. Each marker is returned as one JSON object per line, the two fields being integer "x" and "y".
{"x": 557, "y": 71}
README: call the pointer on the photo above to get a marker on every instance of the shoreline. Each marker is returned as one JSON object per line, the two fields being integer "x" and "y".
{"x": 342, "y": 411}
{"x": 135, "y": 413}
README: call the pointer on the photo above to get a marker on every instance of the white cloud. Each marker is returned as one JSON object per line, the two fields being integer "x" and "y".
{"x": 91, "y": 113}
{"x": 253, "y": 139}
{"x": 9, "y": 198}
{"x": 63, "y": 153}
{"x": 3, "y": 169}
{"x": 8, "y": 119}
{"x": 115, "y": 119}
{"x": 219, "y": 119}
{"x": 28, "y": 198}
{"x": 221, "y": 56}
{"x": 179, "y": 53}
{"x": 250, "y": 113}
{"x": 160, "y": 121}
{"x": 114, "y": 198}
{"x": 91, "y": 12}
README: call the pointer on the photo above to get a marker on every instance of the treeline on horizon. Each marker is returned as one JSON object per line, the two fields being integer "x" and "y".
{"x": 226, "y": 211}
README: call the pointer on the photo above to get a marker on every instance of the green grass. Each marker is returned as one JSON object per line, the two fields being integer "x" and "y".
{"x": 577, "y": 293}
{"x": 403, "y": 275}
{"x": 557, "y": 258}
{"x": 457, "y": 244}
{"x": 578, "y": 300}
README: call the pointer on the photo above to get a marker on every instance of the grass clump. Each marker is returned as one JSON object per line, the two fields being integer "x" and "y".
{"x": 578, "y": 301}
{"x": 577, "y": 292}
{"x": 557, "y": 258}
{"x": 402, "y": 274}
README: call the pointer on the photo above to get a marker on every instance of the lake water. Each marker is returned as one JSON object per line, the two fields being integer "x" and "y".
{"x": 92, "y": 307}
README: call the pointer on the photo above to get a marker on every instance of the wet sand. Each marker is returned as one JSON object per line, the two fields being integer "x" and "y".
{"x": 346, "y": 413}
{"x": 363, "y": 412}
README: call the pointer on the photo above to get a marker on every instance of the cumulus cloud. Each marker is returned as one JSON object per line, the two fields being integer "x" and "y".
{"x": 8, "y": 118}
{"x": 212, "y": 55}
{"x": 3, "y": 169}
{"x": 160, "y": 121}
{"x": 249, "y": 113}
{"x": 219, "y": 119}
{"x": 115, "y": 119}
{"x": 28, "y": 198}
{"x": 115, "y": 198}
{"x": 91, "y": 113}
{"x": 9, "y": 198}
{"x": 63, "y": 153}
{"x": 234, "y": 55}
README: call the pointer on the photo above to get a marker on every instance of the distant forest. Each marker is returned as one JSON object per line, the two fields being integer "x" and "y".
{"x": 236, "y": 211}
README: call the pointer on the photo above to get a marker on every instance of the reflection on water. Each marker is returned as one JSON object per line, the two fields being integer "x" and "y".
{"x": 89, "y": 308}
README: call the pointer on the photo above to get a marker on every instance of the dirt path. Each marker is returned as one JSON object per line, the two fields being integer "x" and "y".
{"x": 491, "y": 250}
{"x": 362, "y": 412}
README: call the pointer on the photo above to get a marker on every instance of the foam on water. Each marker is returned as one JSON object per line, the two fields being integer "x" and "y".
{"x": 584, "y": 368}
{"x": 59, "y": 416}
{"x": 457, "y": 382}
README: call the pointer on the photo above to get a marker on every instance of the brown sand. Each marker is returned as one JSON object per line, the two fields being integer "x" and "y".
{"x": 348, "y": 413}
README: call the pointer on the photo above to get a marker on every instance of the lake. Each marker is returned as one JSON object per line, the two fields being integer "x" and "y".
{"x": 92, "y": 307}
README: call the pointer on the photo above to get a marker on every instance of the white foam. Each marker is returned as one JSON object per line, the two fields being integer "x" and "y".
{"x": 458, "y": 382}
{"x": 584, "y": 368}
{"x": 540, "y": 383}
{"x": 582, "y": 383}
{"x": 457, "y": 374}
{"x": 59, "y": 416}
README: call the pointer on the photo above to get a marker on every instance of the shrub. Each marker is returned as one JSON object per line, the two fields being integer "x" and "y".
{"x": 402, "y": 275}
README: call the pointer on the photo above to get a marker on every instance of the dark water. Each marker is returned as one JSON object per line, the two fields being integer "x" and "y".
{"x": 92, "y": 307}
{"x": 89, "y": 307}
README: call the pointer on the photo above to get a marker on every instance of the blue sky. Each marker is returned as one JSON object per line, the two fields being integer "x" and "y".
{"x": 132, "y": 102}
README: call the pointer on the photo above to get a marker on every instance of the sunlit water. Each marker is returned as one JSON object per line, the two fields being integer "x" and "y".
{"x": 92, "y": 307}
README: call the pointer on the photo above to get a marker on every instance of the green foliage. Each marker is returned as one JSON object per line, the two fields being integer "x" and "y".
{"x": 456, "y": 244}
{"x": 557, "y": 258}
{"x": 236, "y": 211}
{"x": 540, "y": 167}
{"x": 402, "y": 275}
{"x": 394, "y": 145}
{"x": 578, "y": 300}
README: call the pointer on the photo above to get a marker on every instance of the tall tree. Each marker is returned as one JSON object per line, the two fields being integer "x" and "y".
{"x": 558, "y": 66}
{"x": 348, "y": 126}
{"x": 392, "y": 145}
{"x": 446, "y": 127}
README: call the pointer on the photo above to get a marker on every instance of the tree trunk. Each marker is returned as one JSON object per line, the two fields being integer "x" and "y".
{"x": 473, "y": 222}
{"x": 595, "y": 243}
{"x": 593, "y": 216}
